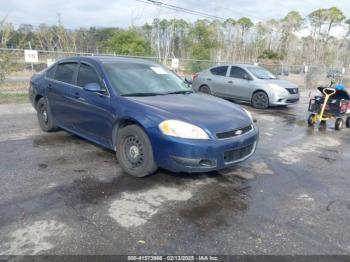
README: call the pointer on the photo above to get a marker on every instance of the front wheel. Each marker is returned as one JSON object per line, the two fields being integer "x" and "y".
{"x": 134, "y": 151}
{"x": 312, "y": 119}
{"x": 260, "y": 100}
{"x": 339, "y": 123}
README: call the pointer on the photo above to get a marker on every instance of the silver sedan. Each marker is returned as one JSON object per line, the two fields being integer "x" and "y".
{"x": 246, "y": 82}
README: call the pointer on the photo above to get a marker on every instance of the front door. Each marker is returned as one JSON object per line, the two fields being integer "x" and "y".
{"x": 238, "y": 84}
{"x": 91, "y": 112}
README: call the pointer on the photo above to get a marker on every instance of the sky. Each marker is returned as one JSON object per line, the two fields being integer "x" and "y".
{"x": 124, "y": 13}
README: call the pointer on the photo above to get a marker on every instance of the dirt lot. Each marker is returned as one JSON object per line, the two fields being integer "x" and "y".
{"x": 63, "y": 195}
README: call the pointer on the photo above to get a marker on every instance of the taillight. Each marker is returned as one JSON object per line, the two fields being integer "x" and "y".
{"x": 343, "y": 106}
{"x": 195, "y": 76}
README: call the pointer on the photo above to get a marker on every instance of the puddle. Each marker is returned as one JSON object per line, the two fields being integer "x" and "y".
{"x": 250, "y": 171}
{"x": 57, "y": 139}
{"x": 211, "y": 211}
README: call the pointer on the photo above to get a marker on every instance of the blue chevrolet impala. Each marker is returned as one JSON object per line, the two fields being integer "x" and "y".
{"x": 144, "y": 112}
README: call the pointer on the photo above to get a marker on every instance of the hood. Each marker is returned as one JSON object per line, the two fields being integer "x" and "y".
{"x": 208, "y": 112}
{"x": 281, "y": 83}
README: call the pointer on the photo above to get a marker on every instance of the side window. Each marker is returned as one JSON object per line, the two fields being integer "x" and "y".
{"x": 237, "y": 72}
{"x": 65, "y": 72}
{"x": 50, "y": 73}
{"x": 87, "y": 75}
{"x": 219, "y": 71}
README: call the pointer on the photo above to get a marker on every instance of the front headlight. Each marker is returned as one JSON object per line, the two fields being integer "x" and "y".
{"x": 249, "y": 114}
{"x": 277, "y": 88}
{"x": 182, "y": 129}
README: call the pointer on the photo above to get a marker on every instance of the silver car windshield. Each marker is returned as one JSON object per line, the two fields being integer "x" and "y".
{"x": 138, "y": 79}
{"x": 261, "y": 73}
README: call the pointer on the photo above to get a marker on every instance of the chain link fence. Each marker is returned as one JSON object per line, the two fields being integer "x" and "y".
{"x": 15, "y": 72}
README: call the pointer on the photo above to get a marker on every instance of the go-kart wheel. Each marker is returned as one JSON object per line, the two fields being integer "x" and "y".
{"x": 339, "y": 123}
{"x": 312, "y": 119}
{"x": 323, "y": 125}
{"x": 347, "y": 122}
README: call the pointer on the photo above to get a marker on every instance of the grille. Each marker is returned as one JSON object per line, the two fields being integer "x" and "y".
{"x": 292, "y": 100}
{"x": 237, "y": 154}
{"x": 235, "y": 132}
{"x": 293, "y": 90}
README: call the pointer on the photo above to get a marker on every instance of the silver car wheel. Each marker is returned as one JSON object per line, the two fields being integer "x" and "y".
{"x": 260, "y": 100}
{"x": 205, "y": 90}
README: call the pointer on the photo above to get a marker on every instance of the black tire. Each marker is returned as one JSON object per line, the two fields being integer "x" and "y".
{"x": 323, "y": 125}
{"x": 339, "y": 123}
{"x": 347, "y": 122}
{"x": 260, "y": 100}
{"x": 205, "y": 89}
{"x": 134, "y": 152}
{"x": 311, "y": 120}
{"x": 46, "y": 121}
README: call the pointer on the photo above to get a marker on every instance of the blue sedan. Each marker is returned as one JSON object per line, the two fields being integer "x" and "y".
{"x": 144, "y": 112}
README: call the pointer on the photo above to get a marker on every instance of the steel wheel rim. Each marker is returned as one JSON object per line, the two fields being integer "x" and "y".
{"x": 133, "y": 152}
{"x": 44, "y": 115}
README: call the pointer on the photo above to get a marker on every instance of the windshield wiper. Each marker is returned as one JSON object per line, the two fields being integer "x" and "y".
{"x": 180, "y": 92}
{"x": 143, "y": 94}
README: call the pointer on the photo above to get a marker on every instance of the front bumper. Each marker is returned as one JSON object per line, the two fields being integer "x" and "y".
{"x": 277, "y": 99}
{"x": 188, "y": 155}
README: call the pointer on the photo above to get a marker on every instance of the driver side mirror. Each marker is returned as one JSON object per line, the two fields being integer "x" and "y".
{"x": 246, "y": 76}
{"x": 93, "y": 87}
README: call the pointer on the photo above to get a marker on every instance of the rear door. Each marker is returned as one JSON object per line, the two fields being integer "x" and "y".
{"x": 58, "y": 84}
{"x": 217, "y": 79}
{"x": 90, "y": 111}
{"x": 237, "y": 85}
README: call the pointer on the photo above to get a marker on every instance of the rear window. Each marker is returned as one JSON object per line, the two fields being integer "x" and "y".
{"x": 65, "y": 72}
{"x": 220, "y": 70}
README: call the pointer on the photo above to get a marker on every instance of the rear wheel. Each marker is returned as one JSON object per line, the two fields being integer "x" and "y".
{"x": 46, "y": 121}
{"x": 134, "y": 151}
{"x": 205, "y": 89}
{"x": 347, "y": 122}
{"x": 260, "y": 100}
{"x": 339, "y": 123}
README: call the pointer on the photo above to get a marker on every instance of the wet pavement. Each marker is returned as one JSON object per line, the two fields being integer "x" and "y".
{"x": 63, "y": 195}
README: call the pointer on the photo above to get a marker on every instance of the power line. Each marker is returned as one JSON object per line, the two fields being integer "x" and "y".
{"x": 194, "y": 12}
{"x": 181, "y": 9}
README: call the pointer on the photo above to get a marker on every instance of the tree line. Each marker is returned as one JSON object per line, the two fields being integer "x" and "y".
{"x": 229, "y": 40}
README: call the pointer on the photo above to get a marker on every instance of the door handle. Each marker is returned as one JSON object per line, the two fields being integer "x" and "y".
{"x": 230, "y": 82}
{"x": 49, "y": 86}
{"x": 209, "y": 79}
{"x": 78, "y": 97}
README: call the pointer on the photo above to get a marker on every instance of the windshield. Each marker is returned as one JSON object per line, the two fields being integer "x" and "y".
{"x": 137, "y": 79}
{"x": 261, "y": 73}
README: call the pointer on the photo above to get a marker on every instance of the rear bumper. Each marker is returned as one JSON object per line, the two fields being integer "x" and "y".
{"x": 186, "y": 155}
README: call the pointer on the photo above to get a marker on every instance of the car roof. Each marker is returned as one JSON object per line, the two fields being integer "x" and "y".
{"x": 108, "y": 59}
{"x": 241, "y": 65}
